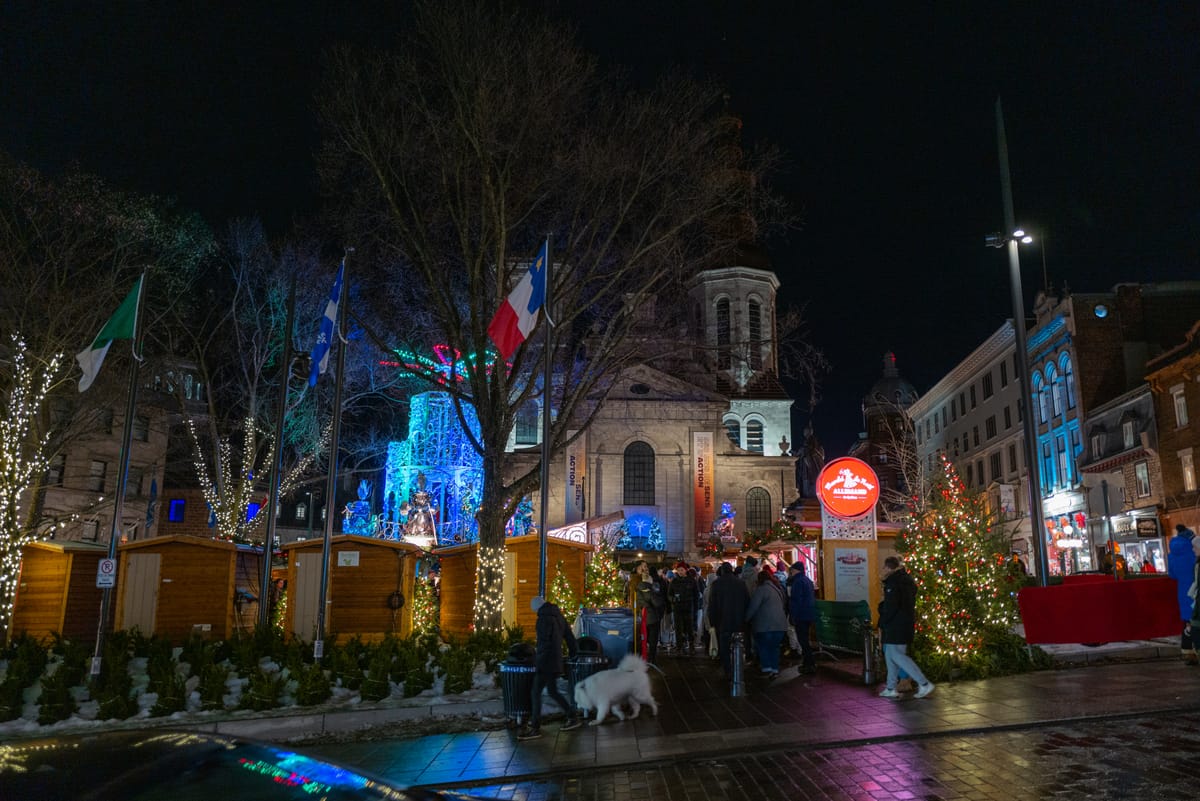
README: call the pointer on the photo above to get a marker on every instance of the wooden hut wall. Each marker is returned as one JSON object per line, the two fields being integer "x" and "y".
{"x": 57, "y": 593}
{"x": 457, "y": 590}
{"x": 359, "y": 587}
{"x": 246, "y": 582}
{"x": 195, "y": 587}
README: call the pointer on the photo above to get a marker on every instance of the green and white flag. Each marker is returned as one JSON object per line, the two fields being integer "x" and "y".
{"x": 120, "y": 326}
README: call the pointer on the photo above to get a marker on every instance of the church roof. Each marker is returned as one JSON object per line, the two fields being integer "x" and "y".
{"x": 891, "y": 389}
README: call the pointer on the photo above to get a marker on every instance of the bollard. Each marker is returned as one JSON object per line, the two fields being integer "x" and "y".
{"x": 736, "y": 657}
{"x": 868, "y": 656}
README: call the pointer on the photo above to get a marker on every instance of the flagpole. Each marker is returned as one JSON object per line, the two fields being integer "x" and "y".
{"x": 546, "y": 373}
{"x": 123, "y": 472}
{"x": 285, "y": 372}
{"x": 331, "y": 479}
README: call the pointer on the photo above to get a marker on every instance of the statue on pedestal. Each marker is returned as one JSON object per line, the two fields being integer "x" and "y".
{"x": 421, "y": 523}
{"x": 808, "y": 466}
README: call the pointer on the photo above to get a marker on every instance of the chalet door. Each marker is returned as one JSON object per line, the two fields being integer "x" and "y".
{"x": 141, "y": 592}
{"x": 305, "y": 596}
{"x": 509, "y": 615}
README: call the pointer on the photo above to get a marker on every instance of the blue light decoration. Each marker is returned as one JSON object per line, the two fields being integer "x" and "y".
{"x": 358, "y": 513}
{"x": 642, "y": 532}
{"x": 521, "y": 522}
{"x": 438, "y": 447}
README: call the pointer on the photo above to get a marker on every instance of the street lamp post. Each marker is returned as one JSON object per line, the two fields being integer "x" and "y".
{"x": 1036, "y": 516}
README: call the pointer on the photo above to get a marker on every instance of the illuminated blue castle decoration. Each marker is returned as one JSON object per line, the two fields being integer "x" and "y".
{"x": 438, "y": 448}
{"x": 358, "y": 514}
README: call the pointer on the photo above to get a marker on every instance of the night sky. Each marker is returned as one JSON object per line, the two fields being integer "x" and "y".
{"x": 886, "y": 115}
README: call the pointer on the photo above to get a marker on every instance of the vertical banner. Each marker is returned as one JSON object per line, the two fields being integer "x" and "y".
{"x": 576, "y": 463}
{"x": 702, "y": 483}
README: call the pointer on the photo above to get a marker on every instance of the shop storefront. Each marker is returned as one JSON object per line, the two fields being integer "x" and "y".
{"x": 1069, "y": 548}
{"x": 1140, "y": 541}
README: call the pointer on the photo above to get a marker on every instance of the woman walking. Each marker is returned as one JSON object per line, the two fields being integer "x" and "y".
{"x": 767, "y": 615}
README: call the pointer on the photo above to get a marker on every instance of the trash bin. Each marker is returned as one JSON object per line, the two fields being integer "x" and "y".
{"x": 612, "y": 627}
{"x": 580, "y": 667}
{"x": 516, "y": 685}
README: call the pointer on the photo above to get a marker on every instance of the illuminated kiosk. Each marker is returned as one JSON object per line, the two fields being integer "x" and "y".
{"x": 370, "y": 587}
{"x": 57, "y": 592}
{"x": 848, "y": 490}
{"x": 521, "y": 568}
{"x": 180, "y": 585}
{"x": 438, "y": 449}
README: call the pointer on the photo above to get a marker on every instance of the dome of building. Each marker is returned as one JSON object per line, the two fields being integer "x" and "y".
{"x": 891, "y": 390}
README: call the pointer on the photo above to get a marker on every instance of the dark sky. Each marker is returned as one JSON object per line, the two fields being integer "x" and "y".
{"x": 885, "y": 112}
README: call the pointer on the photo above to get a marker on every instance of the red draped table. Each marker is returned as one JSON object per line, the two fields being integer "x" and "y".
{"x": 1097, "y": 609}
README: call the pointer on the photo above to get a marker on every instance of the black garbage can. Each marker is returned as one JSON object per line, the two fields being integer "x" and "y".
{"x": 612, "y": 627}
{"x": 580, "y": 667}
{"x": 516, "y": 685}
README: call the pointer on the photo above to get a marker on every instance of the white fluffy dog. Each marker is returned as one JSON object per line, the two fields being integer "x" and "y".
{"x": 608, "y": 690}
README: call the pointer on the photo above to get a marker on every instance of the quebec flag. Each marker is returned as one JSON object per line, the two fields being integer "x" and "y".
{"x": 517, "y": 316}
{"x": 320, "y": 351}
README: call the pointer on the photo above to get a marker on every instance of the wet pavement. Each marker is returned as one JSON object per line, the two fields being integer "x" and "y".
{"x": 830, "y": 736}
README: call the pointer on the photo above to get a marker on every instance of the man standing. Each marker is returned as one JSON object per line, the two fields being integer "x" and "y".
{"x": 727, "y": 611}
{"x": 802, "y": 611}
{"x": 1181, "y": 564}
{"x": 897, "y": 620}
{"x": 552, "y": 629}
{"x": 683, "y": 592}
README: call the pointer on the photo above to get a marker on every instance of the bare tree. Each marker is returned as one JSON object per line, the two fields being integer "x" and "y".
{"x": 456, "y": 154}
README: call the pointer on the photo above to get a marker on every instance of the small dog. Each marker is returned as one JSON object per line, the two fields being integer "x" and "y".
{"x": 608, "y": 690}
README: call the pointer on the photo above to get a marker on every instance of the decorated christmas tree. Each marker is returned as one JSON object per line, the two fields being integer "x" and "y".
{"x": 424, "y": 606}
{"x": 561, "y": 594}
{"x": 966, "y": 589}
{"x": 602, "y": 582}
{"x": 654, "y": 540}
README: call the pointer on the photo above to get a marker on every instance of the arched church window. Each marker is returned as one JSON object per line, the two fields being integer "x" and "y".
{"x": 1068, "y": 379}
{"x": 754, "y": 436}
{"x": 758, "y": 510}
{"x": 733, "y": 429}
{"x": 723, "y": 334}
{"x": 639, "y": 474}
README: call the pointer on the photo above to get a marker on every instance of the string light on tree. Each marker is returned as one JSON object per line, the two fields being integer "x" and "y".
{"x": 603, "y": 585}
{"x": 490, "y": 573}
{"x": 562, "y": 595}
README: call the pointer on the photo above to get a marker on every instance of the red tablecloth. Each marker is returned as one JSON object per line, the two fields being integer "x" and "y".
{"x": 1100, "y": 611}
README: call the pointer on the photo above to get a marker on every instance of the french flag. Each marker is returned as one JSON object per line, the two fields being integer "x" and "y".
{"x": 517, "y": 316}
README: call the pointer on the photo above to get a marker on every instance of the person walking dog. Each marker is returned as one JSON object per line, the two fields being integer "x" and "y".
{"x": 552, "y": 630}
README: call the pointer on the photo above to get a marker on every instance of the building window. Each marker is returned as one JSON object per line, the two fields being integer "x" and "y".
{"x": 527, "y": 424}
{"x": 1064, "y": 464}
{"x": 1042, "y": 400}
{"x": 754, "y": 436}
{"x": 141, "y": 428}
{"x": 1069, "y": 380}
{"x": 301, "y": 512}
{"x": 987, "y": 386}
{"x": 106, "y": 420}
{"x": 945, "y": 420}
{"x": 972, "y": 396}
{"x": 639, "y": 475}
{"x": 989, "y": 427}
{"x": 733, "y": 430}
{"x": 96, "y": 476}
{"x": 953, "y": 412}
{"x": 755, "y": 336}
{"x": 1097, "y": 445}
{"x": 55, "y": 470}
{"x": 975, "y": 436}
{"x": 1007, "y": 418}
{"x": 758, "y": 510}
{"x": 1127, "y": 434}
{"x": 723, "y": 358}
{"x": 970, "y": 475}
{"x": 1141, "y": 471}
{"x": 994, "y": 459}
{"x": 979, "y": 471}
{"x": 1012, "y": 458}
{"x": 133, "y": 482}
{"x": 966, "y": 443}
{"x": 91, "y": 530}
{"x": 1054, "y": 385}
{"x": 1047, "y": 465}
{"x": 1180, "y": 401}
{"x": 1003, "y": 374}
{"x": 1188, "y": 468}
{"x": 962, "y": 403}
{"x": 926, "y": 428}
{"x": 175, "y": 509}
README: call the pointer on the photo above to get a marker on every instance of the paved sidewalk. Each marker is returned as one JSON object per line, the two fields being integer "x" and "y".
{"x": 832, "y": 707}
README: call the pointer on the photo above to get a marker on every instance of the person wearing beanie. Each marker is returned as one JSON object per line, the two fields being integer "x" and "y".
{"x": 552, "y": 631}
{"x": 802, "y": 612}
{"x": 1181, "y": 563}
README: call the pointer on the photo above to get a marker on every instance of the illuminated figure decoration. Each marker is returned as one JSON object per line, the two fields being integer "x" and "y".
{"x": 723, "y": 525}
{"x": 440, "y": 458}
{"x": 421, "y": 527}
{"x": 521, "y": 522}
{"x": 358, "y": 514}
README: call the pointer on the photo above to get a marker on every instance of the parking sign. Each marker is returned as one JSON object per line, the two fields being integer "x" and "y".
{"x": 106, "y": 573}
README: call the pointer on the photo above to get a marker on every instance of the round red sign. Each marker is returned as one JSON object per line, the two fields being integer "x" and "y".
{"x": 848, "y": 487}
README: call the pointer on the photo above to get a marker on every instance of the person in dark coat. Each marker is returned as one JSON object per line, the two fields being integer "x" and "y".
{"x": 1181, "y": 565}
{"x": 802, "y": 612}
{"x": 652, "y": 599}
{"x": 552, "y": 631}
{"x": 683, "y": 593}
{"x": 897, "y": 620}
{"x": 727, "y": 604}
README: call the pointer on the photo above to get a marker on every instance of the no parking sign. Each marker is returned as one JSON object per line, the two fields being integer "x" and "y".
{"x": 106, "y": 573}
